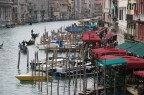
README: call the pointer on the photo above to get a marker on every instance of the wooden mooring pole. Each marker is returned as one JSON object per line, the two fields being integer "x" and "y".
{"x": 27, "y": 58}
{"x": 18, "y": 59}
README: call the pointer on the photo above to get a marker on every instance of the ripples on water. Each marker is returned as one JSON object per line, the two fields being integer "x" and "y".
{"x": 9, "y": 85}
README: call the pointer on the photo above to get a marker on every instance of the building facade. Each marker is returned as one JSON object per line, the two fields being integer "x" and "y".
{"x": 5, "y": 12}
{"x": 25, "y": 11}
{"x": 138, "y": 7}
{"x": 97, "y": 8}
{"x": 122, "y": 12}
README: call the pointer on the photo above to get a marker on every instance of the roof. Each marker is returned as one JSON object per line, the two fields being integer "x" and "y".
{"x": 91, "y": 37}
{"x": 126, "y": 45}
{"x": 113, "y": 61}
{"x": 136, "y": 48}
{"x": 109, "y": 35}
{"x": 102, "y": 29}
{"x": 108, "y": 51}
{"x": 139, "y": 73}
{"x": 132, "y": 62}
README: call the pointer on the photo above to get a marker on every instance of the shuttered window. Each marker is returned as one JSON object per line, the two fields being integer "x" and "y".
{"x": 120, "y": 14}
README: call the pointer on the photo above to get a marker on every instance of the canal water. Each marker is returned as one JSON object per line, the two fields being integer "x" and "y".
{"x": 9, "y": 85}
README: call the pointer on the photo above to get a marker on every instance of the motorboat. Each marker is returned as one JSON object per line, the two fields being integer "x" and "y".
{"x": 35, "y": 76}
{"x": 73, "y": 70}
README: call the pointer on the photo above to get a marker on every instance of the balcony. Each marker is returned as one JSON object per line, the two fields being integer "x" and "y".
{"x": 129, "y": 17}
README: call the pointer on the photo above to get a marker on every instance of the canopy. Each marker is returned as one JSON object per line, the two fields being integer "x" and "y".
{"x": 110, "y": 35}
{"x": 132, "y": 62}
{"x": 126, "y": 45}
{"x": 136, "y": 48}
{"x": 139, "y": 73}
{"x": 112, "y": 62}
{"x": 108, "y": 51}
{"x": 101, "y": 30}
{"x": 91, "y": 37}
{"x": 74, "y": 29}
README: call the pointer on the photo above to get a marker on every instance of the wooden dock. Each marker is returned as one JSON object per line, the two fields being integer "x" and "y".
{"x": 92, "y": 91}
{"x": 63, "y": 49}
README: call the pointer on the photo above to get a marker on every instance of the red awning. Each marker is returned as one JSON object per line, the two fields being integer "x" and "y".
{"x": 102, "y": 29}
{"x": 139, "y": 73}
{"x": 108, "y": 51}
{"x": 109, "y": 35}
{"x": 133, "y": 62}
{"x": 91, "y": 37}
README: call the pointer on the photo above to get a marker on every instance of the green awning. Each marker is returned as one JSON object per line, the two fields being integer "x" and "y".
{"x": 139, "y": 53}
{"x": 112, "y": 62}
{"x": 126, "y": 45}
{"x": 135, "y": 47}
{"x": 137, "y": 50}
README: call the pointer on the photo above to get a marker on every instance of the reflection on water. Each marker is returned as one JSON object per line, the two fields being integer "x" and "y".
{"x": 9, "y": 85}
{"x": 9, "y": 56}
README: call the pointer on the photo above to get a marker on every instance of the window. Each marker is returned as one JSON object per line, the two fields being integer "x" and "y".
{"x": 141, "y": 30}
{"x": 120, "y": 14}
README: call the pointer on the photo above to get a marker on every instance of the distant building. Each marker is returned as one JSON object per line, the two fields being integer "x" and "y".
{"x": 137, "y": 6}
{"x": 5, "y": 12}
{"x": 25, "y": 11}
{"x": 97, "y": 8}
{"x": 122, "y": 11}
{"x": 59, "y": 9}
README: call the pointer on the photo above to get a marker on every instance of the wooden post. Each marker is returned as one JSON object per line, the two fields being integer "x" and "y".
{"x": 97, "y": 78}
{"x": 38, "y": 73}
{"x": 114, "y": 83}
{"x": 41, "y": 78}
{"x": 75, "y": 87}
{"x": 27, "y": 58}
{"x": 104, "y": 78}
{"x": 52, "y": 70}
{"x": 65, "y": 74}
{"x": 80, "y": 68}
{"x": 18, "y": 59}
{"x": 69, "y": 76}
{"x": 47, "y": 70}
{"x": 84, "y": 78}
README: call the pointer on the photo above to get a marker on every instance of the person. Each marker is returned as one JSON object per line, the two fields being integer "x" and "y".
{"x": 32, "y": 31}
{"x": 108, "y": 45}
{"x": 115, "y": 43}
{"x": 97, "y": 45}
{"x": 23, "y": 43}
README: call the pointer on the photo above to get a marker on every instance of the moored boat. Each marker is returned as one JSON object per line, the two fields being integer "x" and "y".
{"x": 74, "y": 70}
{"x": 30, "y": 42}
{"x": 23, "y": 48}
{"x": 30, "y": 77}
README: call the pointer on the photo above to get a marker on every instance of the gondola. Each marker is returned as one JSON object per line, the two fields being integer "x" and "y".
{"x": 1, "y": 45}
{"x": 34, "y": 35}
{"x": 30, "y": 42}
{"x": 23, "y": 48}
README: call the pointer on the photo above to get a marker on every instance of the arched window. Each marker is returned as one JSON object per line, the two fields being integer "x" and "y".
{"x": 129, "y": 6}
{"x": 133, "y": 6}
